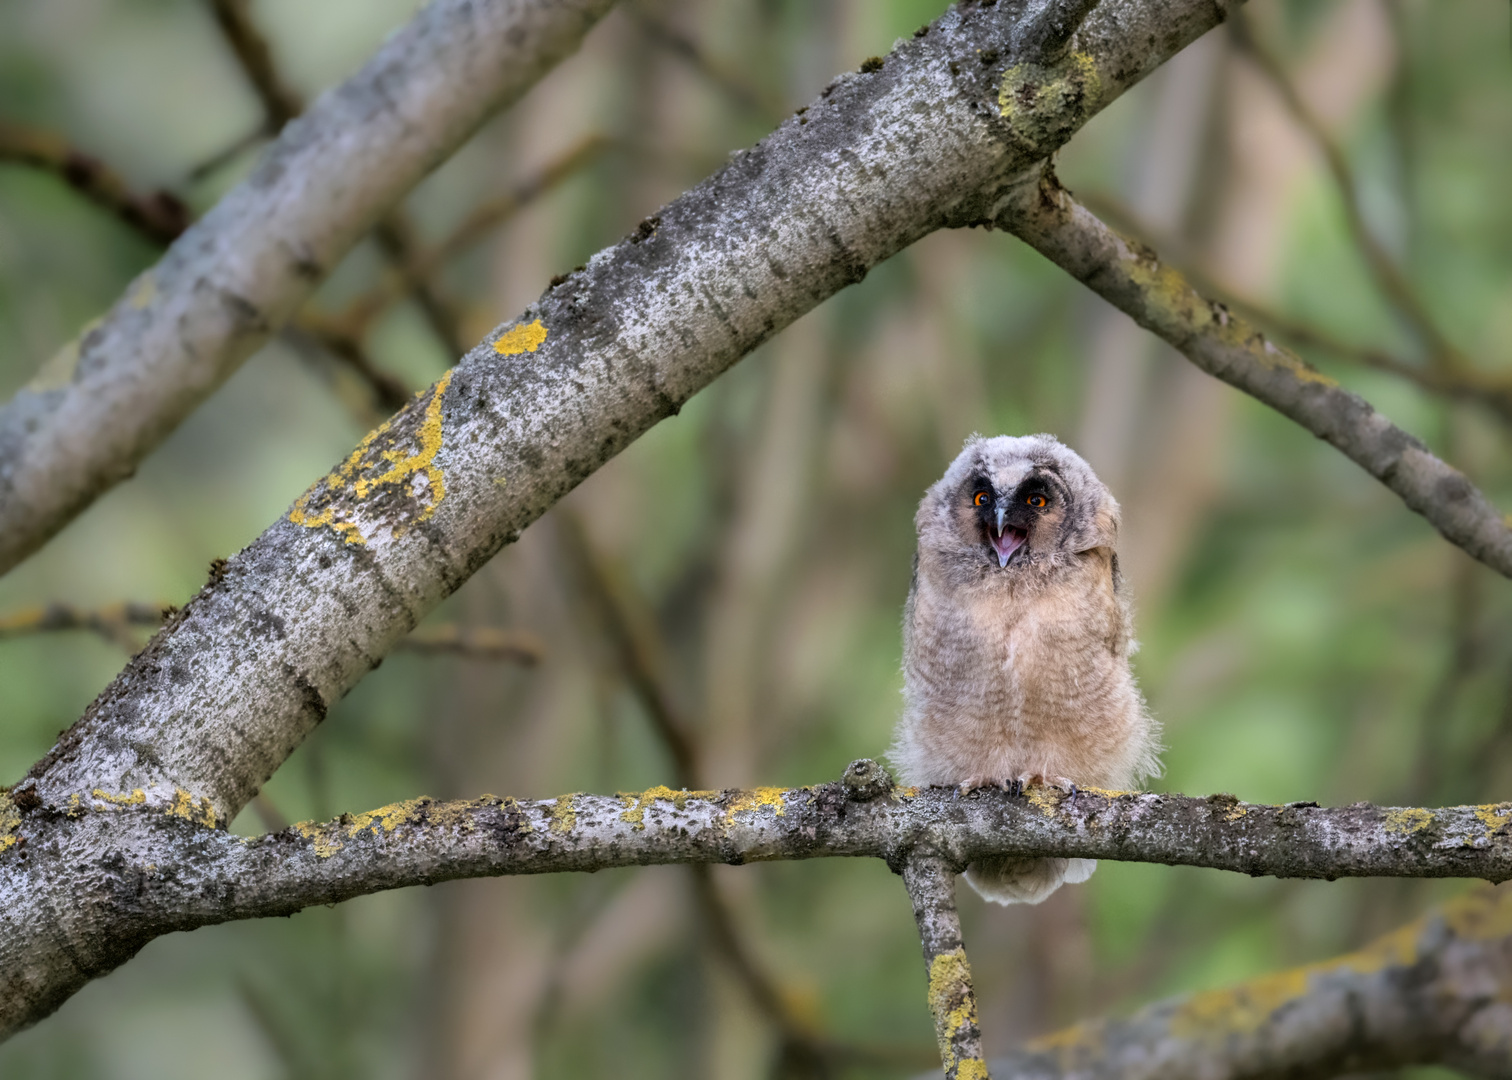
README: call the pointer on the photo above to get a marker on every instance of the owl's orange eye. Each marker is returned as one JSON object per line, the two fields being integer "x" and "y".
{"x": 981, "y": 499}
{"x": 1036, "y": 501}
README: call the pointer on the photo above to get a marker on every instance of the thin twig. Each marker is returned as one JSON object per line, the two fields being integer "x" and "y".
{"x": 470, "y": 642}
{"x": 483, "y": 219}
{"x": 748, "y": 95}
{"x": 1131, "y": 277}
{"x": 159, "y": 215}
{"x": 280, "y": 102}
{"x": 1389, "y": 276}
{"x": 952, "y": 1001}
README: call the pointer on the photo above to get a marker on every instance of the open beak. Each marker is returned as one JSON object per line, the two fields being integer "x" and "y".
{"x": 1006, "y": 543}
{"x": 1007, "y": 540}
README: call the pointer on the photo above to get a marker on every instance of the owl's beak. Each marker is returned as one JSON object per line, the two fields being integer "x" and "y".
{"x": 1001, "y": 511}
{"x": 1007, "y": 542}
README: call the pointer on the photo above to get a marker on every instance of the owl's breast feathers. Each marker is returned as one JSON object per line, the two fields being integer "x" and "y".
{"x": 1025, "y": 674}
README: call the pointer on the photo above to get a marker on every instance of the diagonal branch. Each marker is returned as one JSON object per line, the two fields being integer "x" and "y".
{"x": 280, "y": 102}
{"x": 109, "y": 871}
{"x": 932, "y": 136}
{"x": 1131, "y": 277}
{"x": 159, "y": 215}
{"x": 1431, "y": 993}
{"x": 1389, "y": 276}
{"x": 238, "y": 274}
{"x": 1467, "y": 383}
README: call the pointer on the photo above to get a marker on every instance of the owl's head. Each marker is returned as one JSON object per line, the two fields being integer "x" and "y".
{"x": 1010, "y": 503}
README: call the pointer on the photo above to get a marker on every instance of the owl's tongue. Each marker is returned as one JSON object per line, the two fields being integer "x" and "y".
{"x": 1006, "y": 544}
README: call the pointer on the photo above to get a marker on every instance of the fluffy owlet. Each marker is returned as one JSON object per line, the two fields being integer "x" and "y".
{"x": 1016, "y": 642}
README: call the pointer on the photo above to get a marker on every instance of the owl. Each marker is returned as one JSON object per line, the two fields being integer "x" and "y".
{"x": 1016, "y": 642}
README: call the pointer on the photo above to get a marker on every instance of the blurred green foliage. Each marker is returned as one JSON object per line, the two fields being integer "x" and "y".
{"x": 1305, "y": 637}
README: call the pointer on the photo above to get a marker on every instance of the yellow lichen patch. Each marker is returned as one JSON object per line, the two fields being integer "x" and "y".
{"x": 1235, "y": 812}
{"x": 10, "y": 822}
{"x": 1408, "y": 820}
{"x": 951, "y": 1004}
{"x": 75, "y": 806}
{"x": 755, "y": 799}
{"x": 1281, "y": 360}
{"x": 386, "y": 818}
{"x": 1493, "y": 816}
{"x": 192, "y": 808}
{"x": 1104, "y": 792}
{"x": 635, "y": 805}
{"x": 1044, "y": 798}
{"x": 133, "y": 798}
{"x": 1238, "y": 1009}
{"x": 1045, "y": 102}
{"x": 563, "y": 815}
{"x": 403, "y": 467}
{"x": 324, "y": 843}
{"x": 520, "y": 339}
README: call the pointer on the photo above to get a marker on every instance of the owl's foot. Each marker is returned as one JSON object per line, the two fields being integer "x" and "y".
{"x": 971, "y": 783}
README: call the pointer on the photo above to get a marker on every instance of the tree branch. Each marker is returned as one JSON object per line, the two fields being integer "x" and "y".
{"x": 111, "y": 623}
{"x": 280, "y": 102}
{"x": 1468, "y": 383}
{"x": 952, "y": 1001}
{"x": 85, "y": 885}
{"x": 237, "y": 275}
{"x": 1389, "y": 276}
{"x": 222, "y": 695}
{"x": 159, "y": 215}
{"x": 1431, "y": 993}
{"x": 1131, "y": 277}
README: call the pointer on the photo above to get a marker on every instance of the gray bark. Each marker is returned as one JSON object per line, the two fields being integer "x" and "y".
{"x": 1434, "y": 992}
{"x": 87, "y": 884}
{"x": 1131, "y": 277}
{"x": 227, "y": 690}
{"x": 100, "y": 406}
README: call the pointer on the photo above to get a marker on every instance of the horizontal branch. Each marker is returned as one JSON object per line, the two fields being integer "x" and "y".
{"x": 1431, "y": 993}
{"x": 237, "y": 275}
{"x": 1132, "y": 278}
{"x": 131, "y": 872}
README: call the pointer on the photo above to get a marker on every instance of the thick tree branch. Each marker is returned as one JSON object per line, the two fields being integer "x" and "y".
{"x": 932, "y": 137}
{"x": 879, "y": 160}
{"x": 159, "y": 215}
{"x": 1132, "y": 278}
{"x": 1434, "y": 992}
{"x": 97, "y": 408}
{"x": 83, "y": 886}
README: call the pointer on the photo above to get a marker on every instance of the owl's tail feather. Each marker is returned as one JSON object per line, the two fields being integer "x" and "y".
{"x": 1007, "y": 880}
